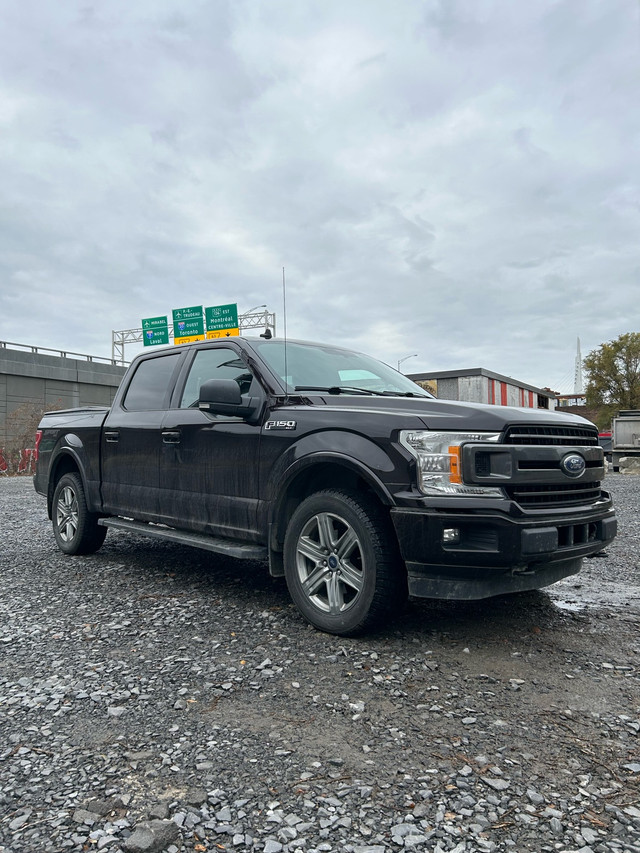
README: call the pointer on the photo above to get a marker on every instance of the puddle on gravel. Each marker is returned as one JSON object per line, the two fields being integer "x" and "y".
{"x": 571, "y": 606}
{"x": 575, "y": 598}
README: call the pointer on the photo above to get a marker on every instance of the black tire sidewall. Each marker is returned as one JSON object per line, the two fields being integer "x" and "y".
{"x": 88, "y": 536}
{"x": 350, "y": 508}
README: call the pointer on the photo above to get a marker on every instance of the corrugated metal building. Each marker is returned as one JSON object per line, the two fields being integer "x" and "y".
{"x": 478, "y": 385}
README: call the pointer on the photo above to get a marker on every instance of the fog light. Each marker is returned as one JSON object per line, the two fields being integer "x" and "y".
{"x": 450, "y": 536}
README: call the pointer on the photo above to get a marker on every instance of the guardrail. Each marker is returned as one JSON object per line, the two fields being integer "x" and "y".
{"x": 60, "y": 353}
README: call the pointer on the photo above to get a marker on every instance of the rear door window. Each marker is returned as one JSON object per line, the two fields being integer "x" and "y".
{"x": 149, "y": 388}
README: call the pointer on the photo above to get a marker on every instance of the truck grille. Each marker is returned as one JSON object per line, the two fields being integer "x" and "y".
{"x": 540, "y": 495}
{"x": 569, "y": 494}
{"x": 556, "y": 435}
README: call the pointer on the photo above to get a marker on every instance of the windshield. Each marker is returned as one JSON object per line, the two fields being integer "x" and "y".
{"x": 324, "y": 368}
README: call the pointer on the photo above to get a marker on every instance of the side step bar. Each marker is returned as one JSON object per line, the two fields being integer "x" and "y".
{"x": 230, "y": 547}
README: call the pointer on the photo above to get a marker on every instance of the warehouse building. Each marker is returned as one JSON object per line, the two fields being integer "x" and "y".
{"x": 477, "y": 385}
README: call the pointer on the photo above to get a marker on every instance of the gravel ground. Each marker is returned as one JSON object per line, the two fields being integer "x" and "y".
{"x": 159, "y": 698}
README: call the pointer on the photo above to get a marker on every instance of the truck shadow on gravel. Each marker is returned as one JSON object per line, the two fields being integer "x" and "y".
{"x": 236, "y": 585}
{"x": 526, "y": 611}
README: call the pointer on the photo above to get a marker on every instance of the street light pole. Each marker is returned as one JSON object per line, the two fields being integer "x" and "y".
{"x": 400, "y": 360}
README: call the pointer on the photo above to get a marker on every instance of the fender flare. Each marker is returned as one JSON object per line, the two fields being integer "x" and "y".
{"x": 316, "y": 459}
{"x": 63, "y": 451}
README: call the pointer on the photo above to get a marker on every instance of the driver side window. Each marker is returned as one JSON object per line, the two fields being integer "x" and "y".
{"x": 215, "y": 363}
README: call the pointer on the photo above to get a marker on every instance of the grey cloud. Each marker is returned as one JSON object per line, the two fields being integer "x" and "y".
{"x": 450, "y": 178}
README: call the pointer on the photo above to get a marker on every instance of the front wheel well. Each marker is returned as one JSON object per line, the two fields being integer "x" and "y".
{"x": 316, "y": 478}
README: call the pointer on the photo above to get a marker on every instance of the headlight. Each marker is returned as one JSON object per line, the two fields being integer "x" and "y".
{"x": 440, "y": 464}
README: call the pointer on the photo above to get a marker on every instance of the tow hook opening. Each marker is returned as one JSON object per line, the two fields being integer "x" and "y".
{"x": 522, "y": 571}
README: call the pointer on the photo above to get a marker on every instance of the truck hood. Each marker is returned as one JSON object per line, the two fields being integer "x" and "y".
{"x": 451, "y": 415}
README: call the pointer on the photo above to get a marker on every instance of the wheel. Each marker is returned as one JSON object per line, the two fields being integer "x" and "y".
{"x": 341, "y": 563}
{"x": 75, "y": 528}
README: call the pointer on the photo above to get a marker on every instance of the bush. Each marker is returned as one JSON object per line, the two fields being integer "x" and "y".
{"x": 18, "y": 456}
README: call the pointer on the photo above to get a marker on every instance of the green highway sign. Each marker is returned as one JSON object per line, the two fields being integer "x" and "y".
{"x": 155, "y": 331}
{"x": 193, "y": 313}
{"x": 222, "y": 320}
{"x": 188, "y": 325}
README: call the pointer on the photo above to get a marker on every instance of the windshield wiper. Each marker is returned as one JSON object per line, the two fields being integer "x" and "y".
{"x": 340, "y": 389}
{"x": 351, "y": 389}
{"x": 403, "y": 394}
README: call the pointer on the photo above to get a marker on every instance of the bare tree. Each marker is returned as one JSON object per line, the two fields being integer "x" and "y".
{"x": 21, "y": 425}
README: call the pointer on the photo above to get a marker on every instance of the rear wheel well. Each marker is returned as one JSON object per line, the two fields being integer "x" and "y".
{"x": 316, "y": 478}
{"x": 65, "y": 464}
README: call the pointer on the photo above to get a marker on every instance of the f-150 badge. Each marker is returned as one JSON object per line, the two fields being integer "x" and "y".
{"x": 280, "y": 425}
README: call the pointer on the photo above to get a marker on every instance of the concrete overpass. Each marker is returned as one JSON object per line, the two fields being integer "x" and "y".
{"x": 52, "y": 378}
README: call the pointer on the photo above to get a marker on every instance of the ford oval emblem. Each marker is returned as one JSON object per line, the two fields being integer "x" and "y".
{"x": 573, "y": 465}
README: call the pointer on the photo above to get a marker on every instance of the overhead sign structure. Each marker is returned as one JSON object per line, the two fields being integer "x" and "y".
{"x": 155, "y": 331}
{"x": 222, "y": 321}
{"x": 188, "y": 325}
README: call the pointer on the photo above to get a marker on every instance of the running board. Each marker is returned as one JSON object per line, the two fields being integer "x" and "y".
{"x": 230, "y": 547}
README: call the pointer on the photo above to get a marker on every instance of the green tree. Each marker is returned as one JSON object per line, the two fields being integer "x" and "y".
{"x": 613, "y": 376}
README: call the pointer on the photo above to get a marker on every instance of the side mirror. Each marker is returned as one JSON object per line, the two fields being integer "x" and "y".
{"x": 223, "y": 397}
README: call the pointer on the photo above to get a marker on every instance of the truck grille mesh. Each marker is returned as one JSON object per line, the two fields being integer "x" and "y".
{"x": 569, "y": 494}
{"x": 536, "y": 495}
{"x": 555, "y": 435}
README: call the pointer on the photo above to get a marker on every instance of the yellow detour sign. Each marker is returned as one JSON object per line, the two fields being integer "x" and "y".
{"x": 223, "y": 333}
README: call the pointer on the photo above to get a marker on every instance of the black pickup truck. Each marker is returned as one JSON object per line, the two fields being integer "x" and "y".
{"x": 348, "y": 478}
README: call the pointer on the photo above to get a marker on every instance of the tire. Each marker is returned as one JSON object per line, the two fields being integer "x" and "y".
{"x": 75, "y": 529}
{"x": 341, "y": 563}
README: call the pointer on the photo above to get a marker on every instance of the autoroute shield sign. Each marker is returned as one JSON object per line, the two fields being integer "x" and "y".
{"x": 155, "y": 331}
{"x": 188, "y": 325}
{"x": 222, "y": 321}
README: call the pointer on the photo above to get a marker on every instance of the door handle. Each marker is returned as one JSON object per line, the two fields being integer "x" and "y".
{"x": 112, "y": 436}
{"x": 170, "y": 436}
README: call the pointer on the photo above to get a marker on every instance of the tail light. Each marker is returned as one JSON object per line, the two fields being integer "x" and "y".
{"x": 36, "y": 449}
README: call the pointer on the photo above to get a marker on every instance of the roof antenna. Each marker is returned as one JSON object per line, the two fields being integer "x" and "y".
{"x": 284, "y": 311}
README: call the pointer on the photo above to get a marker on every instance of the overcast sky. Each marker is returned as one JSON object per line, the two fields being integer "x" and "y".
{"x": 454, "y": 178}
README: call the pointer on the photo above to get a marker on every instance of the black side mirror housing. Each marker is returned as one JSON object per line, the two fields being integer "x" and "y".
{"x": 223, "y": 397}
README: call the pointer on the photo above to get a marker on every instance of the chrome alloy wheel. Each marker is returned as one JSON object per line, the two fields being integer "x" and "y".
{"x": 330, "y": 563}
{"x": 67, "y": 514}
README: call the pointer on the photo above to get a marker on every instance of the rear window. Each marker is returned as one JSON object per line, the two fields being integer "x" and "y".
{"x": 148, "y": 388}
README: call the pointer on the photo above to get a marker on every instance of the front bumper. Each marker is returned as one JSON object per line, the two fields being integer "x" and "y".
{"x": 496, "y": 552}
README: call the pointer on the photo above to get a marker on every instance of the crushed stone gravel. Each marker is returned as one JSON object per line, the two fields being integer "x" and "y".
{"x": 156, "y": 698}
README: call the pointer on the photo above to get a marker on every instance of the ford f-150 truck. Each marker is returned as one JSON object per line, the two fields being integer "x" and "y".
{"x": 348, "y": 478}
